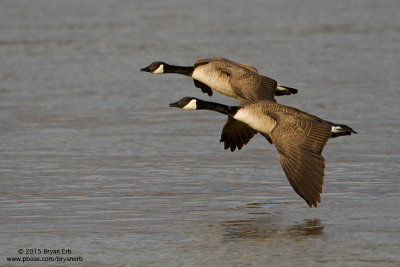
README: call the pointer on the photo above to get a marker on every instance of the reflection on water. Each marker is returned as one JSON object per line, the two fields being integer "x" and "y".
{"x": 309, "y": 227}
{"x": 265, "y": 228}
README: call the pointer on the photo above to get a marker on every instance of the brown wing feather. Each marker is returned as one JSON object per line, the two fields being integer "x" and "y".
{"x": 299, "y": 143}
{"x": 266, "y": 89}
{"x": 202, "y": 62}
{"x": 244, "y": 79}
{"x": 247, "y": 66}
{"x": 224, "y": 61}
{"x": 236, "y": 134}
{"x": 250, "y": 86}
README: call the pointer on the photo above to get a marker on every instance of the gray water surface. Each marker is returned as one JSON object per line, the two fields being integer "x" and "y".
{"x": 93, "y": 160}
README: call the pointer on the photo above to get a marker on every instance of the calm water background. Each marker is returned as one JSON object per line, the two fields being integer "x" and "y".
{"x": 92, "y": 158}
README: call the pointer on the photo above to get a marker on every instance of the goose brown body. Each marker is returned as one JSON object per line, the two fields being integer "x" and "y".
{"x": 233, "y": 79}
{"x": 298, "y": 136}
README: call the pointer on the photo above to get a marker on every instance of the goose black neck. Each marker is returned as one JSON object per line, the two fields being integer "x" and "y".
{"x": 224, "y": 109}
{"x": 179, "y": 70}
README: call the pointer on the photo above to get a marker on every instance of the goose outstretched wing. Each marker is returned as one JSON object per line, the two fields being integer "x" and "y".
{"x": 299, "y": 142}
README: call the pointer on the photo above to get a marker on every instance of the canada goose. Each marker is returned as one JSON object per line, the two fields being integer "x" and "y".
{"x": 230, "y": 78}
{"x": 298, "y": 136}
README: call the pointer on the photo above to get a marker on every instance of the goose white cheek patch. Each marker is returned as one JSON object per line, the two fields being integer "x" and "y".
{"x": 336, "y": 129}
{"x": 159, "y": 70}
{"x": 192, "y": 105}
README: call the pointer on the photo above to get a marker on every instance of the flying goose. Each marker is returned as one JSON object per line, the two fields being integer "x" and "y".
{"x": 233, "y": 79}
{"x": 298, "y": 136}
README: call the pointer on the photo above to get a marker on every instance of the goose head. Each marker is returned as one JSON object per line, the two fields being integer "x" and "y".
{"x": 157, "y": 67}
{"x": 188, "y": 102}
